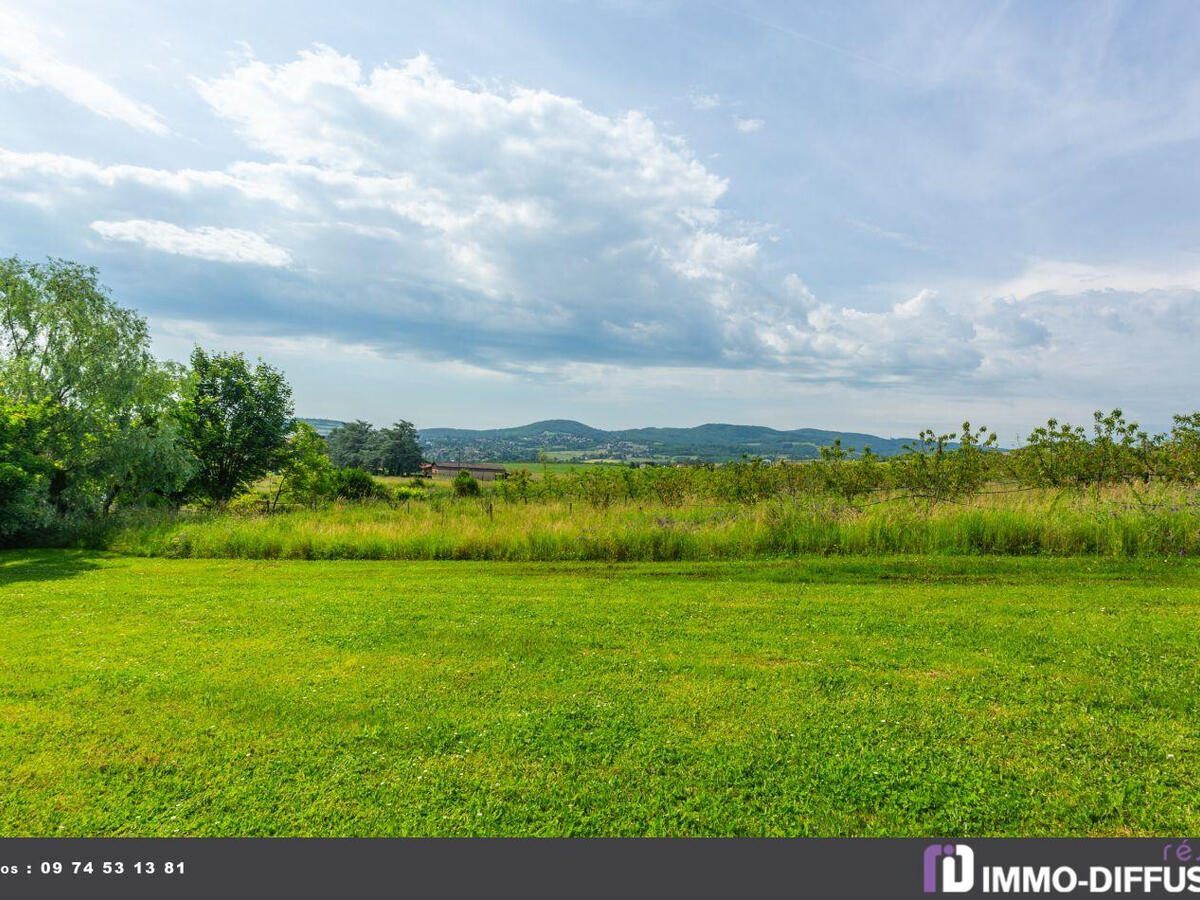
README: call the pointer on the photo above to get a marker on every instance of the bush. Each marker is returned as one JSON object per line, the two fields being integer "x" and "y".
{"x": 465, "y": 484}
{"x": 249, "y": 503}
{"x": 358, "y": 484}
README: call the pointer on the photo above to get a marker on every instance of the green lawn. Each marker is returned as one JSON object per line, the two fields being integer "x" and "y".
{"x": 827, "y": 696}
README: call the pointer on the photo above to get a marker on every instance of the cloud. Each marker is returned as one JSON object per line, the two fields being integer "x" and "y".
{"x": 896, "y": 237}
{"x": 702, "y": 101}
{"x": 514, "y": 230}
{"x": 747, "y": 126}
{"x": 32, "y": 64}
{"x": 230, "y": 245}
{"x": 1046, "y": 276}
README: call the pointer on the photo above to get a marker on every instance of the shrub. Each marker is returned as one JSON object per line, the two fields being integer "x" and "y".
{"x": 358, "y": 484}
{"x": 249, "y": 503}
{"x": 465, "y": 484}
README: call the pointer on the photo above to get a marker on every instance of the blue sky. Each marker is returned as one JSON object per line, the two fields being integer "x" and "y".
{"x": 876, "y": 216}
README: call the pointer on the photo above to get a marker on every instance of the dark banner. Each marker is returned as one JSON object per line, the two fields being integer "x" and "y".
{"x": 320, "y": 867}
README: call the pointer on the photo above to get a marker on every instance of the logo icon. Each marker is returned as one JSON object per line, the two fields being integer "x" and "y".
{"x": 954, "y": 863}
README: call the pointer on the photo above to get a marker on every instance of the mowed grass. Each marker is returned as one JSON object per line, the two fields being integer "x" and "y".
{"x": 848, "y": 696}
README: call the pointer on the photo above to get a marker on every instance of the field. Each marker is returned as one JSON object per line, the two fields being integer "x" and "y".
{"x": 1114, "y": 522}
{"x": 555, "y": 466}
{"x": 856, "y": 695}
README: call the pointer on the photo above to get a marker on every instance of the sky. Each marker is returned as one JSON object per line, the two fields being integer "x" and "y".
{"x": 864, "y": 216}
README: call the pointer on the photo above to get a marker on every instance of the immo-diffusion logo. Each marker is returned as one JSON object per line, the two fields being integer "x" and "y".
{"x": 949, "y": 868}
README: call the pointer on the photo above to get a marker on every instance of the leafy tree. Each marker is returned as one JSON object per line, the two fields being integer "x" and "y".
{"x": 235, "y": 420}
{"x": 518, "y": 484}
{"x": 1061, "y": 455}
{"x": 1183, "y": 449}
{"x": 393, "y": 451}
{"x": 106, "y": 406}
{"x": 306, "y": 476}
{"x": 348, "y": 444}
{"x": 930, "y": 468}
{"x": 846, "y": 475}
{"x": 23, "y": 473}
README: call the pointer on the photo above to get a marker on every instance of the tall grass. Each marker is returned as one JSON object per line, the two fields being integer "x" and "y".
{"x": 1113, "y": 523}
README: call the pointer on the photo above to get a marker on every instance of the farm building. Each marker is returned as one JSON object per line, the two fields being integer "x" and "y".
{"x": 481, "y": 471}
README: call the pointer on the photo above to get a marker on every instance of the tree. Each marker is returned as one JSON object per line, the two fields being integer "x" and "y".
{"x": 235, "y": 420}
{"x": 105, "y": 406}
{"x": 386, "y": 451}
{"x": 348, "y": 443}
{"x": 393, "y": 451}
{"x": 1183, "y": 449}
{"x": 23, "y": 473}
{"x": 306, "y": 476}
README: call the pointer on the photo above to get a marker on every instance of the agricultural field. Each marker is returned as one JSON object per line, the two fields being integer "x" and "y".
{"x": 841, "y": 696}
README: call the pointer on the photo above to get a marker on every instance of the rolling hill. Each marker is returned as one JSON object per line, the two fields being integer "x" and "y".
{"x": 567, "y": 439}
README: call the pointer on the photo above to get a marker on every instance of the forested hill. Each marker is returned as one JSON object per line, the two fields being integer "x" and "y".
{"x": 569, "y": 440}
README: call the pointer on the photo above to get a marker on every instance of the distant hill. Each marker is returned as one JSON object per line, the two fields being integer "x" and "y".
{"x": 569, "y": 440}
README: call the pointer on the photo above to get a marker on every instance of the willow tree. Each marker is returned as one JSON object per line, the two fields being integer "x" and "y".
{"x": 107, "y": 428}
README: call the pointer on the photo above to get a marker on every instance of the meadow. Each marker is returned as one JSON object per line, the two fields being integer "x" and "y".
{"x": 956, "y": 640}
{"x": 1119, "y": 493}
{"x": 841, "y": 696}
{"x": 1117, "y": 521}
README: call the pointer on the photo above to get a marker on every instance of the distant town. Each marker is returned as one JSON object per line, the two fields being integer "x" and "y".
{"x": 568, "y": 441}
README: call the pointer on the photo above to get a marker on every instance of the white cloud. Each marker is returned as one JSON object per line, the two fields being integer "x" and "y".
{"x": 1044, "y": 276}
{"x": 704, "y": 102}
{"x": 515, "y": 230}
{"x": 747, "y": 126}
{"x": 33, "y": 64}
{"x": 231, "y": 245}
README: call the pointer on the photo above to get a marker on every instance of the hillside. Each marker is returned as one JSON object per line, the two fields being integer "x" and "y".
{"x": 569, "y": 440}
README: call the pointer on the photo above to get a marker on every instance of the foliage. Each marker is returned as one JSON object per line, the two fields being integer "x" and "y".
{"x": 931, "y": 470}
{"x": 306, "y": 477}
{"x": 23, "y": 473}
{"x": 405, "y": 492}
{"x": 358, "y": 484}
{"x": 465, "y": 484}
{"x": 385, "y": 451}
{"x": 394, "y": 451}
{"x": 106, "y": 407}
{"x": 348, "y": 444}
{"x": 1182, "y": 451}
{"x": 846, "y": 475}
{"x": 518, "y": 486}
{"x": 1062, "y": 455}
{"x": 235, "y": 420}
